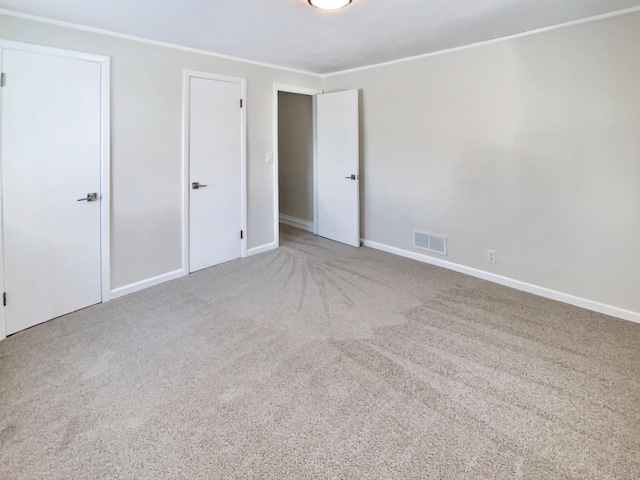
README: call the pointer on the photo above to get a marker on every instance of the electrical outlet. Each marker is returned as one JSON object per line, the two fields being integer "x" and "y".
{"x": 269, "y": 157}
{"x": 491, "y": 256}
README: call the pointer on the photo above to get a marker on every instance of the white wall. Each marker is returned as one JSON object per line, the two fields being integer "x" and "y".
{"x": 295, "y": 155}
{"x": 146, "y": 100}
{"x": 529, "y": 146}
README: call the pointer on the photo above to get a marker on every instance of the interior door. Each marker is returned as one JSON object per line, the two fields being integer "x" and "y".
{"x": 338, "y": 167}
{"x": 50, "y": 186}
{"x": 215, "y": 211}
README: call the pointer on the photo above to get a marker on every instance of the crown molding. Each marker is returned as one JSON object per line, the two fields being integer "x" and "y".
{"x": 528, "y": 33}
{"x": 173, "y": 46}
{"x": 100, "y": 31}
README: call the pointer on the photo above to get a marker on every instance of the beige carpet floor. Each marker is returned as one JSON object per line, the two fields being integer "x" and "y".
{"x": 323, "y": 361}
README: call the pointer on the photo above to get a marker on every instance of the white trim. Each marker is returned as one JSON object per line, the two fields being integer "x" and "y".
{"x": 264, "y": 248}
{"x": 312, "y": 92}
{"x": 297, "y": 222}
{"x": 105, "y": 178}
{"x": 187, "y": 74}
{"x": 281, "y": 87}
{"x": 124, "y": 36}
{"x": 110, "y": 33}
{"x": 510, "y": 282}
{"x": 149, "y": 282}
{"x": 315, "y": 165}
{"x": 243, "y": 165}
{"x": 105, "y": 159}
{"x": 572, "y": 23}
{"x": 185, "y": 174}
{"x": 55, "y": 52}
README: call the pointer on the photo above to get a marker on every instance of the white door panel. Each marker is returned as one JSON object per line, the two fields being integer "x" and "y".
{"x": 50, "y": 158}
{"x": 215, "y": 215}
{"x": 338, "y": 167}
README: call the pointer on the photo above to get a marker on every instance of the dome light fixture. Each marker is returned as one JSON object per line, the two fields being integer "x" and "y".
{"x": 329, "y": 4}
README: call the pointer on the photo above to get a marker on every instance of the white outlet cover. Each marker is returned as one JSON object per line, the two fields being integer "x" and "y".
{"x": 491, "y": 256}
{"x": 269, "y": 157}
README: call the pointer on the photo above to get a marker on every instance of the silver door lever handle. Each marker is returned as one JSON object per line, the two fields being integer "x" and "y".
{"x": 351, "y": 177}
{"x": 197, "y": 185}
{"x": 91, "y": 197}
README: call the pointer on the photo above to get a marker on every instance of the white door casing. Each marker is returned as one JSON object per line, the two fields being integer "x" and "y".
{"x": 216, "y": 159}
{"x": 338, "y": 169}
{"x": 55, "y": 151}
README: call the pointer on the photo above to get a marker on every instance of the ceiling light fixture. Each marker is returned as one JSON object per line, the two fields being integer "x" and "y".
{"x": 329, "y": 4}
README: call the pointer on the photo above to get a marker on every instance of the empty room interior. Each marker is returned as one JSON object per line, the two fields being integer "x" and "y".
{"x": 320, "y": 239}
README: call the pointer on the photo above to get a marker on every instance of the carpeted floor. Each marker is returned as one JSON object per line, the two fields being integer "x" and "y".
{"x": 323, "y": 361}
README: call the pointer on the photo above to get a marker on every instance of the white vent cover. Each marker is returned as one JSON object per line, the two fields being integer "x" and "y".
{"x": 432, "y": 243}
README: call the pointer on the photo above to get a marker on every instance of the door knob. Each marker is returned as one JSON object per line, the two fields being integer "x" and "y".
{"x": 91, "y": 197}
{"x": 197, "y": 185}
{"x": 351, "y": 177}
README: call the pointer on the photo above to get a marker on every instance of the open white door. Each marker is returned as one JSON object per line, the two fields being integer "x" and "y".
{"x": 338, "y": 167}
{"x": 215, "y": 172}
{"x": 51, "y": 185}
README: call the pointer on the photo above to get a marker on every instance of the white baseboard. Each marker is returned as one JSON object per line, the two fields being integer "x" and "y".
{"x": 262, "y": 249}
{"x": 297, "y": 222}
{"x": 149, "y": 282}
{"x": 510, "y": 282}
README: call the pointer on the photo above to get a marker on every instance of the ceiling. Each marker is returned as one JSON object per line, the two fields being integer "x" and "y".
{"x": 290, "y": 33}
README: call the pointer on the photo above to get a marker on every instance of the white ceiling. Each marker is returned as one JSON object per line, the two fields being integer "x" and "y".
{"x": 291, "y": 34}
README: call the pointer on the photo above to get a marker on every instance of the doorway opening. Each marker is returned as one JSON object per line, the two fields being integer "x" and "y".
{"x": 295, "y": 176}
{"x": 295, "y": 160}
{"x": 317, "y": 160}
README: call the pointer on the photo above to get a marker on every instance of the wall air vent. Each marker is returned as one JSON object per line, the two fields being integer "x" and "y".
{"x": 432, "y": 243}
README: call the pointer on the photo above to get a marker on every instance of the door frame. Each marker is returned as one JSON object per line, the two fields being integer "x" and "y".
{"x": 186, "y": 95}
{"x": 312, "y": 92}
{"x": 105, "y": 160}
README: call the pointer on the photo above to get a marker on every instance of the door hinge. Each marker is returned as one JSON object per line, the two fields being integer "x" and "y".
{"x": 2, "y": 79}
{"x": 241, "y": 234}
{"x": 240, "y": 103}
{"x": 4, "y": 299}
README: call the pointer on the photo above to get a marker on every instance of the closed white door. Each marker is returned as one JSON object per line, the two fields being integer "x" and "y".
{"x": 338, "y": 167}
{"x": 215, "y": 149}
{"x": 50, "y": 160}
